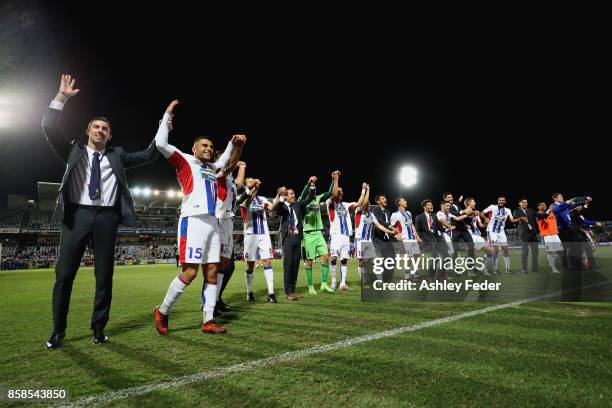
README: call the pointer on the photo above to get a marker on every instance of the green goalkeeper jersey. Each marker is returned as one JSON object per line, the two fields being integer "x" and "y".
{"x": 312, "y": 218}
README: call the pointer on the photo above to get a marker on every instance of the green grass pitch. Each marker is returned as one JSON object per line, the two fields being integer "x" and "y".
{"x": 538, "y": 354}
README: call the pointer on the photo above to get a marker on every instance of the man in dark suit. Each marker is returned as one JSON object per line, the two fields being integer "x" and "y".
{"x": 461, "y": 220}
{"x": 383, "y": 242}
{"x": 93, "y": 200}
{"x": 528, "y": 234}
{"x": 292, "y": 213}
{"x": 429, "y": 229}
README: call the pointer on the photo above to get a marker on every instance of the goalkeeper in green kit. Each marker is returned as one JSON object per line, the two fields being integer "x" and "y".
{"x": 314, "y": 243}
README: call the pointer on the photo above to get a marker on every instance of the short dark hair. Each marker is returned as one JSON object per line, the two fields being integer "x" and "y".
{"x": 501, "y": 196}
{"x": 425, "y": 202}
{"x": 541, "y": 202}
{"x": 556, "y": 195}
{"x": 197, "y": 139}
{"x": 523, "y": 198}
{"x": 378, "y": 196}
{"x": 443, "y": 203}
{"x": 397, "y": 200}
{"x": 102, "y": 118}
{"x": 444, "y": 195}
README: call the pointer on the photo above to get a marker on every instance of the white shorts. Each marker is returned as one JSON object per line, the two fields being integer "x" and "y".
{"x": 411, "y": 247}
{"x": 226, "y": 235}
{"x": 552, "y": 243}
{"x": 449, "y": 243}
{"x": 365, "y": 249}
{"x": 257, "y": 246}
{"x": 198, "y": 237}
{"x": 339, "y": 246}
{"x": 479, "y": 242}
{"x": 497, "y": 238}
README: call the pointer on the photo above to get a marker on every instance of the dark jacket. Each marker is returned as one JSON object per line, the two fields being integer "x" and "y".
{"x": 524, "y": 232}
{"x": 71, "y": 152}
{"x": 299, "y": 207}
{"x": 377, "y": 234}
{"x": 420, "y": 224}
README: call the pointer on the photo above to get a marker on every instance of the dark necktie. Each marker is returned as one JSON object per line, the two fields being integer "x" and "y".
{"x": 94, "y": 182}
{"x": 291, "y": 220}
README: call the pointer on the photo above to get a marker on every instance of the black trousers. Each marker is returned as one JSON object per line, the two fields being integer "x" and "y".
{"x": 572, "y": 264}
{"x": 385, "y": 249}
{"x": 531, "y": 243}
{"x": 292, "y": 251}
{"x": 466, "y": 237}
{"x": 436, "y": 249}
{"x": 99, "y": 229}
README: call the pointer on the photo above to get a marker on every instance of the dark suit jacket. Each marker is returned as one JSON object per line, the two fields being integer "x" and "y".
{"x": 299, "y": 207}
{"x": 524, "y": 232}
{"x": 71, "y": 152}
{"x": 379, "y": 213}
{"x": 456, "y": 211}
{"x": 420, "y": 224}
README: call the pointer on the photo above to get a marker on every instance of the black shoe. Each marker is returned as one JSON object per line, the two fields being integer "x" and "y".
{"x": 272, "y": 299}
{"x": 250, "y": 297}
{"x": 99, "y": 336}
{"x": 217, "y": 312}
{"x": 223, "y": 307}
{"x": 55, "y": 341}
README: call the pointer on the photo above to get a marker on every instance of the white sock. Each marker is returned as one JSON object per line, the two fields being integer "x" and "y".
{"x": 269, "y": 274}
{"x": 219, "y": 284}
{"x": 343, "y": 274}
{"x": 249, "y": 281}
{"x": 507, "y": 261}
{"x": 552, "y": 257}
{"x": 332, "y": 271}
{"x": 360, "y": 270}
{"x": 210, "y": 300}
{"x": 175, "y": 290}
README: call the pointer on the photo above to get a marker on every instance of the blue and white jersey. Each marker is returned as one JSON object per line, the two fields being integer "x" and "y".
{"x": 497, "y": 217}
{"x": 364, "y": 222}
{"x": 339, "y": 217}
{"x": 446, "y": 217}
{"x": 254, "y": 216}
{"x": 473, "y": 226}
{"x": 402, "y": 220}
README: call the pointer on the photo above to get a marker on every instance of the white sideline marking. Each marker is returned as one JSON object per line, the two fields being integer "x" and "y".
{"x": 290, "y": 356}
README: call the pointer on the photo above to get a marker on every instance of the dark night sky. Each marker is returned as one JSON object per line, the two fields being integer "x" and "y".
{"x": 475, "y": 115}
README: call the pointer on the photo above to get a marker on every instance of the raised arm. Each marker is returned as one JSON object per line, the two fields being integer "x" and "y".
{"x": 335, "y": 177}
{"x": 165, "y": 125}
{"x": 241, "y": 173}
{"x": 312, "y": 191}
{"x": 365, "y": 195}
{"x": 252, "y": 194}
{"x": 232, "y": 152}
{"x": 50, "y": 123}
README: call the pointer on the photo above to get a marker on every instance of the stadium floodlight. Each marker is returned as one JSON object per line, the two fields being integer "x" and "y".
{"x": 408, "y": 176}
{"x": 136, "y": 191}
{"x": 170, "y": 193}
{"x": 155, "y": 192}
{"x": 179, "y": 193}
{"x": 146, "y": 192}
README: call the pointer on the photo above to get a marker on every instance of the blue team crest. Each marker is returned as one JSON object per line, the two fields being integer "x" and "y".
{"x": 256, "y": 207}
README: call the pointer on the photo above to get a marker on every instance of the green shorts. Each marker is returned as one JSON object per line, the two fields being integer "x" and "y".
{"x": 314, "y": 244}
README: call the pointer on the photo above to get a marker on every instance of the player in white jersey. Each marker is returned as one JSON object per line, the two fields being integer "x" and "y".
{"x": 227, "y": 194}
{"x": 444, "y": 216}
{"x": 198, "y": 230}
{"x": 403, "y": 221}
{"x": 477, "y": 222}
{"x": 365, "y": 221}
{"x": 496, "y": 230}
{"x": 257, "y": 242}
{"x": 340, "y": 230}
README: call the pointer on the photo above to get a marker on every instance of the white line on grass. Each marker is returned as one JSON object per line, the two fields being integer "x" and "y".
{"x": 290, "y": 356}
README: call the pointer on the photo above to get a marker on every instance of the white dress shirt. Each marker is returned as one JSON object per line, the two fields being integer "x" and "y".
{"x": 81, "y": 175}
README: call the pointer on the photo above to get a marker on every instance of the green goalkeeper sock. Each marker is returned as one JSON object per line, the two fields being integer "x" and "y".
{"x": 324, "y": 270}
{"x": 309, "y": 275}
